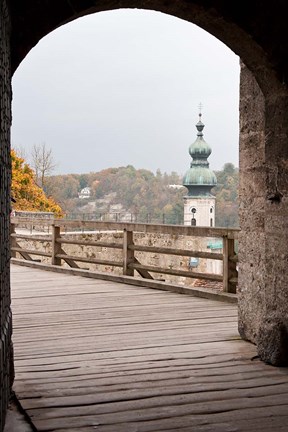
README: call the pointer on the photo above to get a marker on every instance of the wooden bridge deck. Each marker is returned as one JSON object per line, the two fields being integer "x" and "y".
{"x": 94, "y": 355}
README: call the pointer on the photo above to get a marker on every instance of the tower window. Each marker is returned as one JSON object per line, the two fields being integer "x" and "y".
{"x": 211, "y": 222}
{"x": 193, "y": 210}
{"x": 193, "y": 221}
{"x": 211, "y": 210}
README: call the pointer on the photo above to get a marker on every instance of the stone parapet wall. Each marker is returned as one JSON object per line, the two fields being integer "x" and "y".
{"x": 6, "y": 361}
{"x": 32, "y": 215}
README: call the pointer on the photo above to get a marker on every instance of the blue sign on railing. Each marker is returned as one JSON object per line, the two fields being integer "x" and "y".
{"x": 193, "y": 262}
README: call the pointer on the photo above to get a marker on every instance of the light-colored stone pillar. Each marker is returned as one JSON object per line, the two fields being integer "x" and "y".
{"x": 263, "y": 246}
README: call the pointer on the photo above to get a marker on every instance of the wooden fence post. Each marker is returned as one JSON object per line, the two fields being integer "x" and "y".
{"x": 56, "y": 247}
{"x": 128, "y": 254}
{"x": 229, "y": 266}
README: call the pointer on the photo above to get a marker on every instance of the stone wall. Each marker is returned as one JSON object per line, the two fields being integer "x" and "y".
{"x": 263, "y": 253}
{"x": 33, "y": 215}
{"x": 30, "y": 226}
{"x": 251, "y": 211}
{"x": 6, "y": 362}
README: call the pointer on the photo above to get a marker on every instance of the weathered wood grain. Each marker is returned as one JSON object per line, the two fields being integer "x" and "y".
{"x": 96, "y": 355}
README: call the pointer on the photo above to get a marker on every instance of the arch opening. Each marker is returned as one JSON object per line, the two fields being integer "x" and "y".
{"x": 264, "y": 94}
{"x": 154, "y": 99}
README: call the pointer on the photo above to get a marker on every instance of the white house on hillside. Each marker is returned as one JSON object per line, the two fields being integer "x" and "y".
{"x": 85, "y": 193}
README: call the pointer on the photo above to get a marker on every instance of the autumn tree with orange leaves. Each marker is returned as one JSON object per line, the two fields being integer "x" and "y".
{"x": 28, "y": 196}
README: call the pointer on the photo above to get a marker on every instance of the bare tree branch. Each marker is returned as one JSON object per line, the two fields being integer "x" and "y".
{"x": 21, "y": 152}
{"x": 42, "y": 162}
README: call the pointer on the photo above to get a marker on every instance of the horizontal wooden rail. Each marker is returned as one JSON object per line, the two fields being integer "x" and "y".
{"x": 180, "y": 252}
{"x": 130, "y": 251}
{"x": 89, "y": 243}
{"x": 32, "y": 237}
{"x": 31, "y": 251}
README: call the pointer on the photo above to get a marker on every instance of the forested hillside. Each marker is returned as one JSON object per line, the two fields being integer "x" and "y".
{"x": 226, "y": 193}
{"x": 147, "y": 196}
{"x": 138, "y": 192}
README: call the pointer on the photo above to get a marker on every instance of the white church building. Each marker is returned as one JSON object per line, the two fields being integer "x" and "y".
{"x": 199, "y": 203}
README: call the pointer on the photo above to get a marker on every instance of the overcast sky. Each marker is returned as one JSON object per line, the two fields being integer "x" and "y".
{"x": 123, "y": 88}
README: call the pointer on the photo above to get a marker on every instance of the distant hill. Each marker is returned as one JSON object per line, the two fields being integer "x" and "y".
{"x": 126, "y": 191}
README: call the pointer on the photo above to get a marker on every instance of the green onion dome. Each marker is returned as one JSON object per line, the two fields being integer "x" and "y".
{"x": 199, "y": 176}
{"x": 199, "y": 179}
{"x": 200, "y": 148}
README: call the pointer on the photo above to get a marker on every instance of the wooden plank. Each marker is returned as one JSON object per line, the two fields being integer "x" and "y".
{"x": 180, "y": 252}
{"x": 192, "y": 398}
{"x": 179, "y": 415}
{"x": 176, "y": 382}
{"x": 142, "y": 367}
{"x": 154, "y": 284}
{"x": 30, "y": 237}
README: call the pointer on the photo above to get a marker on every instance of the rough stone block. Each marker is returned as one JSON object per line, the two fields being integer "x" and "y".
{"x": 272, "y": 342}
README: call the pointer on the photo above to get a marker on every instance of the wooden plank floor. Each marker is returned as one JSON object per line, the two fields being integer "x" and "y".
{"x": 94, "y": 355}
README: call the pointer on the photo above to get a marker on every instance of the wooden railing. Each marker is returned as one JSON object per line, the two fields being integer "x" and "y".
{"x": 56, "y": 236}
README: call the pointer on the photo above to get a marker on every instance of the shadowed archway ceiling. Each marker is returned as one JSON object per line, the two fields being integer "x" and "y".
{"x": 249, "y": 28}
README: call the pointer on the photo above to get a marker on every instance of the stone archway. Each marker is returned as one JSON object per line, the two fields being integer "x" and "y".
{"x": 252, "y": 33}
{"x": 263, "y": 113}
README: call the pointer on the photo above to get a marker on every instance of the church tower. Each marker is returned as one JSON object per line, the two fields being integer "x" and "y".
{"x": 199, "y": 204}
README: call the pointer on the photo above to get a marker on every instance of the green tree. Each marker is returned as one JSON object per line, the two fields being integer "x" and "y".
{"x": 226, "y": 193}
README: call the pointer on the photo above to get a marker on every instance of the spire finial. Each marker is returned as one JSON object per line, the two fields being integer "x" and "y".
{"x": 200, "y": 106}
{"x": 200, "y": 125}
